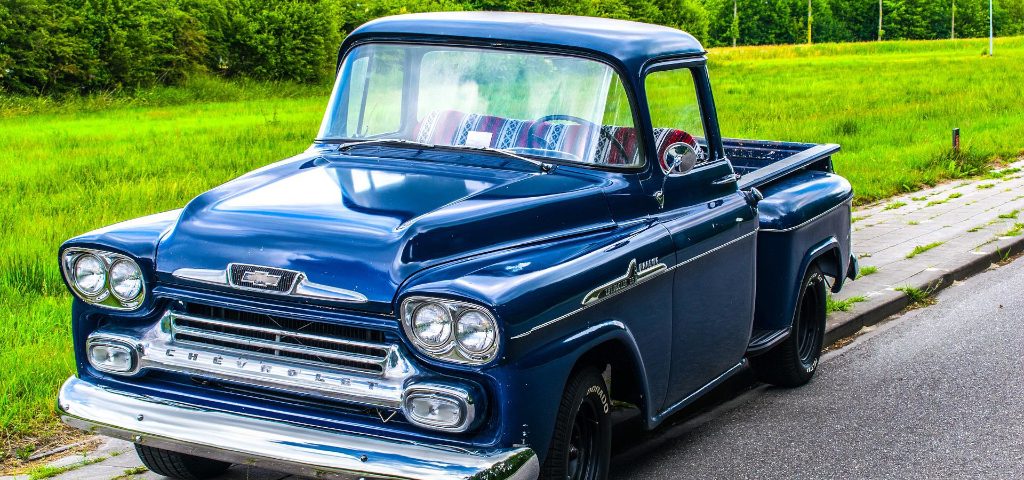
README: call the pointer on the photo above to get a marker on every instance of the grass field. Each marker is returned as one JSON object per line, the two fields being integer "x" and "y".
{"x": 66, "y": 168}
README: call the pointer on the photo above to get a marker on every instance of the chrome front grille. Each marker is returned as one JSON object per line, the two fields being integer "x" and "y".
{"x": 259, "y": 335}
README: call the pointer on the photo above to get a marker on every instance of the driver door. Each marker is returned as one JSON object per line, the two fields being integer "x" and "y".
{"x": 713, "y": 230}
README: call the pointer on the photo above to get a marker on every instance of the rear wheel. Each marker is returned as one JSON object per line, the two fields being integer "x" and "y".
{"x": 793, "y": 362}
{"x": 581, "y": 445}
{"x": 179, "y": 465}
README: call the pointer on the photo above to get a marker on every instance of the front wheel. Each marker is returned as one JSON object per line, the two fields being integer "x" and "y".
{"x": 793, "y": 362}
{"x": 179, "y": 465}
{"x": 581, "y": 445}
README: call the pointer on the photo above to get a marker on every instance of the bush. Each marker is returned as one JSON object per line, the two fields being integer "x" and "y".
{"x": 55, "y": 47}
{"x": 293, "y": 40}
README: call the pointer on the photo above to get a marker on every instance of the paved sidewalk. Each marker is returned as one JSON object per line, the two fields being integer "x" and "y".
{"x": 959, "y": 228}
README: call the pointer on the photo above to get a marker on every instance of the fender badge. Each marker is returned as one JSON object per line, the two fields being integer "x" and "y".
{"x": 635, "y": 274}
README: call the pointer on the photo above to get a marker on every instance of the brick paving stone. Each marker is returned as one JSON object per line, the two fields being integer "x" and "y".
{"x": 968, "y": 227}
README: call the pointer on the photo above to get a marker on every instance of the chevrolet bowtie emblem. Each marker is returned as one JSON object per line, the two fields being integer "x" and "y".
{"x": 261, "y": 279}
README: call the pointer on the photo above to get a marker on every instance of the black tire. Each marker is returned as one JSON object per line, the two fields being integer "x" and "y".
{"x": 179, "y": 465}
{"x": 793, "y": 362}
{"x": 581, "y": 445}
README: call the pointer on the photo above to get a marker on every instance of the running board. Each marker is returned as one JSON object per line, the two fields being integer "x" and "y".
{"x": 763, "y": 340}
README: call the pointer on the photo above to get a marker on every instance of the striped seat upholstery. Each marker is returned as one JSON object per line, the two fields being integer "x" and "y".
{"x": 452, "y": 127}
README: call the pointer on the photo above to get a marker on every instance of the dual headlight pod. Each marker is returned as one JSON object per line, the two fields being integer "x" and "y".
{"x": 450, "y": 330}
{"x": 104, "y": 278}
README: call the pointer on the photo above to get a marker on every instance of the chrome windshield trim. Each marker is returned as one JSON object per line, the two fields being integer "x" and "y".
{"x": 303, "y": 286}
{"x": 276, "y": 445}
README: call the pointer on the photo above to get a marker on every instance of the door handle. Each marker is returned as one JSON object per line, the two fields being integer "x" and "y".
{"x": 730, "y": 178}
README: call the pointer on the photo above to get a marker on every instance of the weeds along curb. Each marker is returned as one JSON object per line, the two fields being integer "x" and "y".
{"x": 844, "y": 324}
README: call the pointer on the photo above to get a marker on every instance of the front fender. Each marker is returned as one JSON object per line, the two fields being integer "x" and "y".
{"x": 544, "y": 298}
{"x": 539, "y": 377}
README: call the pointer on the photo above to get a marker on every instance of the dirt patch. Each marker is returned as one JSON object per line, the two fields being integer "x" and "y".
{"x": 22, "y": 453}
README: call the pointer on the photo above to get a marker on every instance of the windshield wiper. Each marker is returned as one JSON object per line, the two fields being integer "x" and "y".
{"x": 544, "y": 167}
{"x": 385, "y": 141}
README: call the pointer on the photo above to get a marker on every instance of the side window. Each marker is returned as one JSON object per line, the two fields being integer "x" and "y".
{"x": 675, "y": 110}
{"x": 617, "y": 142}
{"x": 375, "y": 96}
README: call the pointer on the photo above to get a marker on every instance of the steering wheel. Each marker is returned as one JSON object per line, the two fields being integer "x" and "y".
{"x": 533, "y": 137}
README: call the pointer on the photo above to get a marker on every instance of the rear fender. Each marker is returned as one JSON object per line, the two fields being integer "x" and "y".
{"x": 827, "y": 255}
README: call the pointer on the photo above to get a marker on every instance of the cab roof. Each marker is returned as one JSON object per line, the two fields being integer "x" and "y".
{"x": 631, "y": 43}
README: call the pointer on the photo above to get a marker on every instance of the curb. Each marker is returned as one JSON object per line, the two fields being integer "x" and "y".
{"x": 844, "y": 324}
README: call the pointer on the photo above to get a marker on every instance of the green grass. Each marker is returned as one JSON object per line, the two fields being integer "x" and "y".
{"x": 891, "y": 105}
{"x": 1009, "y": 215}
{"x": 917, "y": 296}
{"x": 844, "y": 305}
{"x": 867, "y": 270}
{"x": 47, "y": 471}
{"x": 895, "y": 205}
{"x": 985, "y": 186}
{"x": 130, "y": 473}
{"x": 1014, "y": 231}
{"x": 1002, "y": 173}
{"x": 922, "y": 248}
{"x": 71, "y": 166}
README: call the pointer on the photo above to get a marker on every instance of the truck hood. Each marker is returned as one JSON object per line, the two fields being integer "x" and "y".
{"x": 366, "y": 225}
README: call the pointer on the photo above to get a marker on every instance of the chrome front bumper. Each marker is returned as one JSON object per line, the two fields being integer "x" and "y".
{"x": 276, "y": 445}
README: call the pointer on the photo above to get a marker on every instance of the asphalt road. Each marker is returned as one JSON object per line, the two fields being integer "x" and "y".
{"x": 936, "y": 393}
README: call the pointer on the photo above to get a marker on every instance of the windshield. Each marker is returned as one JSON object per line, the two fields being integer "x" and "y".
{"x": 551, "y": 106}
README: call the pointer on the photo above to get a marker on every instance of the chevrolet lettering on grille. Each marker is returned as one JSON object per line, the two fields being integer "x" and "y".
{"x": 261, "y": 279}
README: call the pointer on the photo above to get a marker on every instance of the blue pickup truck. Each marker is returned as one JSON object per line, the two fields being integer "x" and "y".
{"x": 508, "y": 226}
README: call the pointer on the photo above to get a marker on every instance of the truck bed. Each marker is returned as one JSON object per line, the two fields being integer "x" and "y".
{"x": 760, "y": 162}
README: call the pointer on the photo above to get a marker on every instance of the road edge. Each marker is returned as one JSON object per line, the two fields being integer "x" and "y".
{"x": 840, "y": 325}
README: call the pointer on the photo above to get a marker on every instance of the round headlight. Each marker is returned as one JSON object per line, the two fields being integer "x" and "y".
{"x": 432, "y": 324}
{"x": 90, "y": 275}
{"x": 125, "y": 280}
{"x": 475, "y": 332}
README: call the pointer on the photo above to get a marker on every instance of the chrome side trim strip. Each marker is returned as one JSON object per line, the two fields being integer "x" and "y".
{"x": 203, "y": 275}
{"x": 809, "y": 220}
{"x": 276, "y": 445}
{"x": 713, "y": 250}
{"x": 656, "y": 419}
{"x": 639, "y": 282}
{"x": 306, "y": 288}
{"x": 303, "y": 287}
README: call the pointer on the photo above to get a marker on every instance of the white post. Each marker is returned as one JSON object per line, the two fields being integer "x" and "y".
{"x": 735, "y": 22}
{"x": 952, "y": 27}
{"x": 879, "y": 20}
{"x": 991, "y": 32}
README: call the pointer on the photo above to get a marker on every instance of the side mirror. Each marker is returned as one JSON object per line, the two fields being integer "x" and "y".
{"x": 680, "y": 158}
